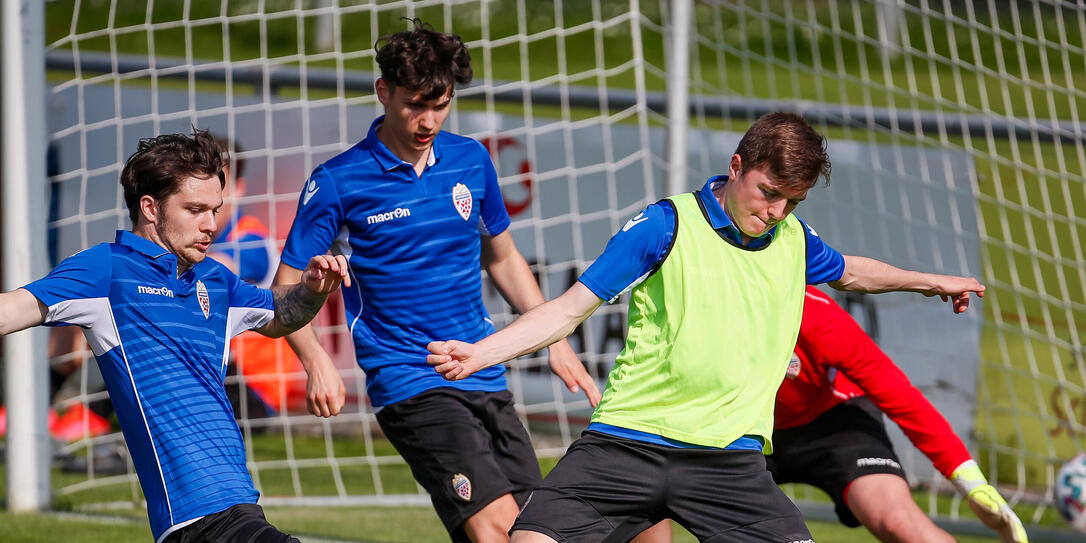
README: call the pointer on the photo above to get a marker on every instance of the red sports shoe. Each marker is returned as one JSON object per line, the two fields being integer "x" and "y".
{"x": 70, "y": 426}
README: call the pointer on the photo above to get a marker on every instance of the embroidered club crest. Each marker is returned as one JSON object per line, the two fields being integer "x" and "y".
{"x": 462, "y": 485}
{"x": 205, "y": 302}
{"x": 462, "y": 200}
{"x": 793, "y": 367}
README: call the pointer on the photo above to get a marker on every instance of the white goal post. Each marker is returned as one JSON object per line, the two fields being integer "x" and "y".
{"x": 954, "y": 132}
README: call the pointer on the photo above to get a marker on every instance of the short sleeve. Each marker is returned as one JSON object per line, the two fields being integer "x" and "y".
{"x": 633, "y": 253}
{"x": 824, "y": 263}
{"x": 250, "y": 306}
{"x": 77, "y": 290}
{"x": 493, "y": 217}
{"x": 316, "y": 222}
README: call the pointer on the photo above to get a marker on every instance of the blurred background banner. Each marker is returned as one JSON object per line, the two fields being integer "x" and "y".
{"x": 953, "y": 129}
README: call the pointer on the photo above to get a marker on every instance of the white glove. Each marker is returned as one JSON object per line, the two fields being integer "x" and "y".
{"x": 986, "y": 502}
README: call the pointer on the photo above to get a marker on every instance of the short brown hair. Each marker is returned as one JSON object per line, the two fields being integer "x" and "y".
{"x": 783, "y": 143}
{"x": 160, "y": 163}
{"x": 424, "y": 60}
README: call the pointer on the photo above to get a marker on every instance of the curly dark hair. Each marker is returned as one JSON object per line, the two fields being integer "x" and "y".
{"x": 793, "y": 152}
{"x": 423, "y": 60}
{"x": 160, "y": 163}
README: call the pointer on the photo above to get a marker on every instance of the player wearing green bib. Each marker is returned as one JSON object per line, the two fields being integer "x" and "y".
{"x": 681, "y": 428}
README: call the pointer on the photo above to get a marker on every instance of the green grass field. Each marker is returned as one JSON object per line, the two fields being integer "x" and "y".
{"x": 80, "y": 516}
{"x": 369, "y": 525}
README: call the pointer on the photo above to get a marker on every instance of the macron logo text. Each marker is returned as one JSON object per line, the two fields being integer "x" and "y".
{"x": 397, "y": 213}
{"x": 157, "y": 291}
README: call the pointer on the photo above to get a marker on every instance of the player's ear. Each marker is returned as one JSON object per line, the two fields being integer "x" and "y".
{"x": 149, "y": 208}
{"x": 736, "y": 167}
{"x": 384, "y": 92}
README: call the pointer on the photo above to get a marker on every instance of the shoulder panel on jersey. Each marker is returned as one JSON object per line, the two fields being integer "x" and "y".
{"x": 95, "y": 315}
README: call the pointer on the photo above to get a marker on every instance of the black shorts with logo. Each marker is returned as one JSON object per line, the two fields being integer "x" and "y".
{"x": 242, "y": 523}
{"x": 609, "y": 489}
{"x": 466, "y": 448}
{"x": 841, "y": 445}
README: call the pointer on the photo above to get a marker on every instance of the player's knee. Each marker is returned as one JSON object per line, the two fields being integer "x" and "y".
{"x": 899, "y": 524}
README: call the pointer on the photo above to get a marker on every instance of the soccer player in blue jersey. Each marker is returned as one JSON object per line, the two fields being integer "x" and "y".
{"x": 718, "y": 279}
{"x": 418, "y": 213}
{"x": 158, "y": 317}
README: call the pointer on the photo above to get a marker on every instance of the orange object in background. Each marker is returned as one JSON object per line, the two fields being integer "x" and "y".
{"x": 271, "y": 370}
{"x": 78, "y": 422}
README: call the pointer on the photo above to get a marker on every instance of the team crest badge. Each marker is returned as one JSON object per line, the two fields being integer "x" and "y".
{"x": 462, "y": 200}
{"x": 794, "y": 366}
{"x": 462, "y": 485}
{"x": 205, "y": 301}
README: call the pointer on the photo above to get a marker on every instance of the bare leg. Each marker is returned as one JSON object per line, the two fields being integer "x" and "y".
{"x": 524, "y": 536}
{"x": 658, "y": 533}
{"x": 884, "y": 505}
{"x": 492, "y": 523}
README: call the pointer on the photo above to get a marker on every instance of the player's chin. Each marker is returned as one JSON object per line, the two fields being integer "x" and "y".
{"x": 755, "y": 229}
{"x": 196, "y": 255}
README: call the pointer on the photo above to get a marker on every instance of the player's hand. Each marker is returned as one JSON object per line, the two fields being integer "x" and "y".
{"x": 325, "y": 393}
{"x": 454, "y": 360}
{"x": 956, "y": 290}
{"x": 324, "y": 273}
{"x": 565, "y": 364}
{"x": 988, "y": 505}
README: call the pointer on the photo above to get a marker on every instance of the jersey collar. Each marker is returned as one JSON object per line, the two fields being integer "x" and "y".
{"x": 165, "y": 260}
{"x": 141, "y": 244}
{"x": 386, "y": 158}
{"x": 719, "y": 219}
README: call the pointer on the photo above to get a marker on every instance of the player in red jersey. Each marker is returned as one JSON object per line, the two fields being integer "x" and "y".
{"x": 828, "y": 433}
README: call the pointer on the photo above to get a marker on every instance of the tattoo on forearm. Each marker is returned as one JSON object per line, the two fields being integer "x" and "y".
{"x": 295, "y": 306}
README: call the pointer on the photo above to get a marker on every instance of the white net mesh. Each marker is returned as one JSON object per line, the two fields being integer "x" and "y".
{"x": 957, "y": 148}
{"x": 954, "y": 133}
{"x": 558, "y": 98}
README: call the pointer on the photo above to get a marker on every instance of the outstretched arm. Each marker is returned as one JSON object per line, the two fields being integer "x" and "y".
{"x": 511, "y": 275}
{"x": 829, "y": 337}
{"x": 325, "y": 392}
{"x": 863, "y": 274}
{"x": 296, "y": 305}
{"x": 19, "y": 309}
{"x": 539, "y": 327}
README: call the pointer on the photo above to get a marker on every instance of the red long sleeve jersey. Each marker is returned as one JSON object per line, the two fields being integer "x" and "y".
{"x": 837, "y": 361}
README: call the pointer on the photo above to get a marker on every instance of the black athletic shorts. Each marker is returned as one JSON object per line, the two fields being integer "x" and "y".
{"x": 243, "y": 523}
{"x": 609, "y": 489}
{"x": 466, "y": 448}
{"x": 841, "y": 445}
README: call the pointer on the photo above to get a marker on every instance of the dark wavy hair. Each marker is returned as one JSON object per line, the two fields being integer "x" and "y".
{"x": 792, "y": 151}
{"x": 160, "y": 163}
{"x": 423, "y": 60}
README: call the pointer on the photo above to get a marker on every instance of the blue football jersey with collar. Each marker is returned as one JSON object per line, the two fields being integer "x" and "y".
{"x": 413, "y": 244}
{"x": 162, "y": 343}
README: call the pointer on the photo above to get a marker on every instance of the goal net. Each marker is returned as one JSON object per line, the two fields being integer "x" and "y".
{"x": 954, "y": 135}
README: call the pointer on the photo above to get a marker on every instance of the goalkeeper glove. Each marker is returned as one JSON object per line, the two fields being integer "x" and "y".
{"x": 986, "y": 502}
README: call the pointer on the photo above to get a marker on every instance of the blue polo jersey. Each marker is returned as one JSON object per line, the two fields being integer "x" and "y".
{"x": 162, "y": 343}
{"x": 413, "y": 243}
